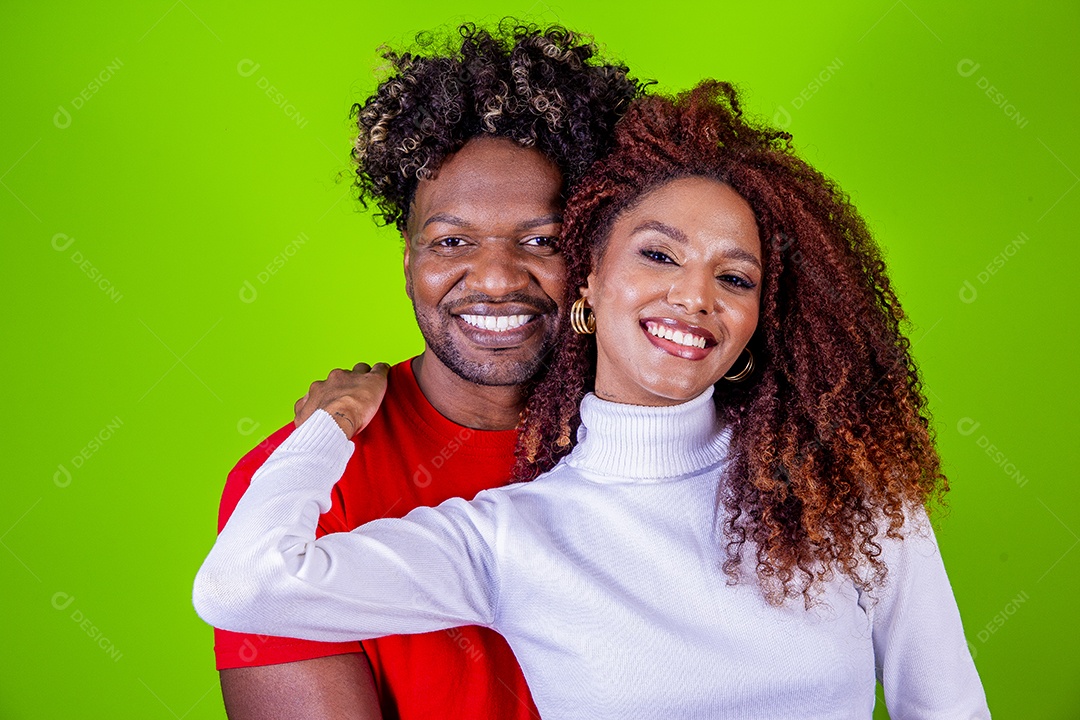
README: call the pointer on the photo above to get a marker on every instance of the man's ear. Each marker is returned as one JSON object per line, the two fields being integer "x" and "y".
{"x": 405, "y": 263}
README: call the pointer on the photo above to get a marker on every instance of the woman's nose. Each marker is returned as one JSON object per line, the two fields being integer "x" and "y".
{"x": 693, "y": 292}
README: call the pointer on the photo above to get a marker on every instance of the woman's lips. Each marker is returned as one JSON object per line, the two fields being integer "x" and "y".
{"x": 678, "y": 338}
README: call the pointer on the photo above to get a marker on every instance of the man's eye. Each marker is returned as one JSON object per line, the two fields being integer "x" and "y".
{"x": 544, "y": 241}
{"x": 450, "y": 242}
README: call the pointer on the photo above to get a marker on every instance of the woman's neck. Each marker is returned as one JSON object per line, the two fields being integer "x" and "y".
{"x": 635, "y": 442}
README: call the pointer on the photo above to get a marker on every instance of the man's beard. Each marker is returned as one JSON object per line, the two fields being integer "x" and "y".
{"x": 437, "y": 334}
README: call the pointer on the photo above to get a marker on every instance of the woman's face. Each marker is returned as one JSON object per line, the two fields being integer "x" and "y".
{"x": 675, "y": 293}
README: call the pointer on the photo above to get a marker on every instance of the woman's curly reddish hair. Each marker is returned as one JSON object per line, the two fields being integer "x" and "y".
{"x": 831, "y": 442}
{"x": 547, "y": 88}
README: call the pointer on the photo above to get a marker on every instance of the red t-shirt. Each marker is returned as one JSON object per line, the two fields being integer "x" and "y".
{"x": 411, "y": 456}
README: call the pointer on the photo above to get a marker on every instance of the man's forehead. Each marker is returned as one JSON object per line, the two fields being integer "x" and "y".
{"x": 495, "y": 180}
{"x": 525, "y": 223}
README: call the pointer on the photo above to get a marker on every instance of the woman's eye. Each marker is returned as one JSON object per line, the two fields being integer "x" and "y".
{"x": 656, "y": 256}
{"x": 737, "y": 281}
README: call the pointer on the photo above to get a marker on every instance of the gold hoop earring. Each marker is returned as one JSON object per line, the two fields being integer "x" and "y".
{"x": 745, "y": 372}
{"x": 582, "y": 321}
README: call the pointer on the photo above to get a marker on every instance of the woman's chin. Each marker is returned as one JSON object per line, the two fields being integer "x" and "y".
{"x": 669, "y": 394}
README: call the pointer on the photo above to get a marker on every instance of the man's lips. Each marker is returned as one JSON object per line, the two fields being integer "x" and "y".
{"x": 498, "y": 325}
{"x": 674, "y": 337}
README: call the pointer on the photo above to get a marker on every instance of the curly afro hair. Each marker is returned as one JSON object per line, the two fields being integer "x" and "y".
{"x": 541, "y": 87}
{"x": 831, "y": 443}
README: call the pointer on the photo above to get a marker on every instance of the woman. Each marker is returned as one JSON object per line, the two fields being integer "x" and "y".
{"x": 732, "y": 462}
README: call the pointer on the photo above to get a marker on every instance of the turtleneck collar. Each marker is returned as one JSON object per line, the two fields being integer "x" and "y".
{"x": 634, "y": 442}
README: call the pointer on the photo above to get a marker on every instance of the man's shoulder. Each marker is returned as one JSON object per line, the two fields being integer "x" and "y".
{"x": 407, "y": 456}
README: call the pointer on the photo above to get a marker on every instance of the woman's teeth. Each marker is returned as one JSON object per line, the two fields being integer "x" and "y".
{"x": 498, "y": 323}
{"x": 676, "y": 336}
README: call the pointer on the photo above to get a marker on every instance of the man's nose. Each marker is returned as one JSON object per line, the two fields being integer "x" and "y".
{"x": 497, "y": 269}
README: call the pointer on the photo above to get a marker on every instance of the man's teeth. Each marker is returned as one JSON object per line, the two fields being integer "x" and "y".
{"x": 498, "y": 323}
{"x": 676, "y": 336}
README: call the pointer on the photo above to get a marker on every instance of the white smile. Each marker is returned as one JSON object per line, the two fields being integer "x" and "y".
{"x": 497, "y": 323}
{"x": 676, "y": 336}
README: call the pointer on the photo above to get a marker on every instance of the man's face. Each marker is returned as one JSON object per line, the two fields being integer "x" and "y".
{"x": 481, "y": 264}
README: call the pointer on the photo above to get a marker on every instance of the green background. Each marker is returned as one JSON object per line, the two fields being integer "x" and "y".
{"x": 179, "y": 180}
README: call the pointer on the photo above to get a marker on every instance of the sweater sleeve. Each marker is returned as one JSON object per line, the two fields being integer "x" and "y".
{"x": 922, "y": 658}
{"x": 267, "y": 573}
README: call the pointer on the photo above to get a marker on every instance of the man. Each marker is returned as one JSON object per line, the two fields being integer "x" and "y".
{"x": 468, "y": 153}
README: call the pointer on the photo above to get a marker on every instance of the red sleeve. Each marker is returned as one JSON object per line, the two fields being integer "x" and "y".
{"x": 234, "y": 650}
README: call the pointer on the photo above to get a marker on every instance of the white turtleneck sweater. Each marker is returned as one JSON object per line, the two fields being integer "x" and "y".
{"x": 604, "y": 576}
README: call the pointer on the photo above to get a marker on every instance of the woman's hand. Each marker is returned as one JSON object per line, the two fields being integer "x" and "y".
{"x": 351, "y": 397}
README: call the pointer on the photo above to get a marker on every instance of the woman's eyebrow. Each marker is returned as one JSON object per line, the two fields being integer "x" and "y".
{"x": 664, "y": 229}
{"x": 739, "y": 254}
{"x": 678, "y": 235}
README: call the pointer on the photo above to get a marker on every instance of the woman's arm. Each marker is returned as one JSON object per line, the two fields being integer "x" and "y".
{"x": 268, "y": 574}
{"x": 922, "y": 658}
